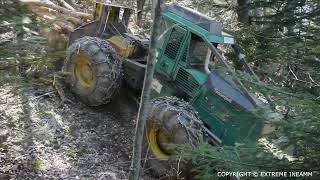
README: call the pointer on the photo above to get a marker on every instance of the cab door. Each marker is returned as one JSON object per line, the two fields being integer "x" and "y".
{"x": 171, "y": 51}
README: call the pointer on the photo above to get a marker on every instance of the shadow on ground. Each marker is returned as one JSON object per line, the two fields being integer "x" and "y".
{"x": 42, "y": 139}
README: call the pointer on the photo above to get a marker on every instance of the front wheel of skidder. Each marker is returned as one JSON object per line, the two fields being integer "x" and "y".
{"x": 170, "y": 121}
{"x": 94, "y": 70}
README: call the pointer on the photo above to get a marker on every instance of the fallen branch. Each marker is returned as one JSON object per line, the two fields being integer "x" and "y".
{"x": 49, "y": 4}
{"x": 66, "y": 5}
{"x": 41, "y": 11}
{"x": 61, "y": 21}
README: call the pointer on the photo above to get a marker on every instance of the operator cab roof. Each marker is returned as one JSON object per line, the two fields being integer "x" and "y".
{"x": 113, "y": 4}
{"x": 200, "y": 24}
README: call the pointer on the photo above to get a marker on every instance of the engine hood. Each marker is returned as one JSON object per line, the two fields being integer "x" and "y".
{"x": 223, "y": 85}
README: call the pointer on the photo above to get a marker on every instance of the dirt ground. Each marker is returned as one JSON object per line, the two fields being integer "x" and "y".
{"x": 41, "y": 138}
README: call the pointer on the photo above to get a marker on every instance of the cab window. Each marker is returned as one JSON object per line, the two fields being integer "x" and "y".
{"x": 174, "y": 43}
{"x": 197, "y": 51}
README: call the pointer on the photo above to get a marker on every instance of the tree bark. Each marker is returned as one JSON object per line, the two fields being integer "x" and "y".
{"x": 243, "y": 12}
{"x": 145, "y": 96}
{"x": 140, "y": 5}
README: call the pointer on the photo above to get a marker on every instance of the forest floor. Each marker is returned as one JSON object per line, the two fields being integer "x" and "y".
{"x": 41, "y": 138}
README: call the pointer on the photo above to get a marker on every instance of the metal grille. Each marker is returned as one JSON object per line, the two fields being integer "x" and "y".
{"x": 174, "y": 43}
{"x": 186, "y": 82}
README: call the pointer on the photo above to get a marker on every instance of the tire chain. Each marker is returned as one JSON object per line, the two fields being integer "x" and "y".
{"x": 194, "y": 127}
{"x": 109, "y": 52}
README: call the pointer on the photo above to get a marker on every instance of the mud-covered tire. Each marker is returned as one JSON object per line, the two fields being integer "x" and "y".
{"x": 94, "y": 70}
{"x": 179, "y": 120}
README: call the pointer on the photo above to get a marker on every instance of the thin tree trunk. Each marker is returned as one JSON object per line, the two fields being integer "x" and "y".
{"x": 243, "y": 12}
{"x": 145, "y": 96}
{"x": 140, "y": 5}
{"x": 126, "y": 17}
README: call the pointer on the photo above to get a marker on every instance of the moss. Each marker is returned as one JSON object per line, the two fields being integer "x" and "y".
{"x": 70, "y": 153}
{"x": 37, "y": 164}
{"x": 81, "y": 151}
{"x": 5, "y": 148}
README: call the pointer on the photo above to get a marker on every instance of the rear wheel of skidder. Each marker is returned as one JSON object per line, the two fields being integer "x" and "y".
{"x": 94, "y": 70}
{"x": 170, "y": 121}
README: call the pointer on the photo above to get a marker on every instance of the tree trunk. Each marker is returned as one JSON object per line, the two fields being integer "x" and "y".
{"x": 126, "y": 17}
{"x": 140, "y": 5}
{"x": 243, "y": 12}
{"x": 145, "y": 96}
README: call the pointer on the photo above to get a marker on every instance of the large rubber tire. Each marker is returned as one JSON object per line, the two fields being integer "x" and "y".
{"x": 94, "y": 70}
{"x": 179, "y": 120}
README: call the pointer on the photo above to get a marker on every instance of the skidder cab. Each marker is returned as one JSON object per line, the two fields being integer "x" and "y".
{"x": 192, "y": 99}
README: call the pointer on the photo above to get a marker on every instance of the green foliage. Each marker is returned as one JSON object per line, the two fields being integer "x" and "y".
{"x": 82, "y": 151}
{"x": 301, "y": 126}
{"x": 285, "y": 33}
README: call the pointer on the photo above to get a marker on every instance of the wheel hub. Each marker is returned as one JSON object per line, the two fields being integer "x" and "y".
{"x": 84, "y": 71}
{"x": 158, "y": 140}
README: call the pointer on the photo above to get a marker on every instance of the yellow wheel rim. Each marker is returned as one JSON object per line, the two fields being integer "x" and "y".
{"x": 157, "y": 139}
{"x": 84, "y": 71}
